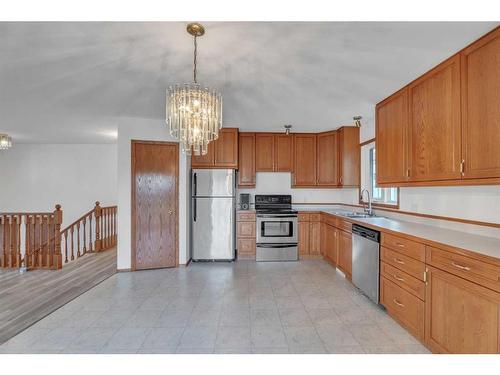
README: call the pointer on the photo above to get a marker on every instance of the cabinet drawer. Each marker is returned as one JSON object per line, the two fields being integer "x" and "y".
{"x": 404, "y": 280}
{"x": 303, "y": 216}
{"x": 246, "y": 246}
{"x": 404, "y": 263}
{"x": 314, "y": 217}
{"x": 346, "y": 226}
{"x": 245, "y": 216}
{"x": 407, "y": 247}
{"x": 403, "y": 306}
{"x": 245, "y": 229}
{"x": 329, "y": 219}
{"x": 482, "y": 273}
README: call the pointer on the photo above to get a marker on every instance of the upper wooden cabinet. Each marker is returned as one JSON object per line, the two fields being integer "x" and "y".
{"x": 304, "y": 173}
{"x": 246, "y": 160}
{"x": 264, "y": 152}
{"x": 283, "y": 151}
{"x": 481, "y": 107}
{"x": 392, "y": 123}
{"x": 444, "y": 127}
{"x": 349, "y": 155}
{"x": 327, "y": 148}
{"x": 222, "y": 153}
{"x": 434, "y": 124}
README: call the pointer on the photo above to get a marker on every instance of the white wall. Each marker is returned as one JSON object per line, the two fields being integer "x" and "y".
{"x": 280, "y": 183}
{"x": 479, "y": 203}
{"x": 151, "y": 130}
{"x": 36, "y": 177}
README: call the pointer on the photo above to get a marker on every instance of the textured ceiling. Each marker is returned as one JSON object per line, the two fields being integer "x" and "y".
{"x": 73, "y": 82}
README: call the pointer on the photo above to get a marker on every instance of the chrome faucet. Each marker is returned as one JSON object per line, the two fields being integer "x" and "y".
{"x": 369, "y": 211}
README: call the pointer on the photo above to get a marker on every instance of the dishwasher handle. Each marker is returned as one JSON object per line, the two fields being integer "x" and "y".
{"x": 367, "y": 233}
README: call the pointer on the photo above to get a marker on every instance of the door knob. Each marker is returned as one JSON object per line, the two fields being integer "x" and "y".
{"x": 170, "y": 212}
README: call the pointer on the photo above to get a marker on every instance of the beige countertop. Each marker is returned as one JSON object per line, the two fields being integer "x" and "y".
{"x": 487, "y": 246}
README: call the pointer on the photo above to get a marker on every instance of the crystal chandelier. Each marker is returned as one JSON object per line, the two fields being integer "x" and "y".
{"x": 194, "y": 114}
{"x": 5, "y": 142}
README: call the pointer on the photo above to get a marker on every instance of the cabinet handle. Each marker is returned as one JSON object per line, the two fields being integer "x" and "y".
{"x": 462, "y": 167}
{"x": 399, "y": 278}
{"x": 340, "y": 180}
{"x": 398, "y": 303}
{"x": 465, "y": 268}
{"x": 400, "y": 244}
{"x": 399, "y": 261}
{"x": 408, "y": 172}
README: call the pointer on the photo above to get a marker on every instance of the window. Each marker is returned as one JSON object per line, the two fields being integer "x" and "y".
{"x": 385, "y": 196}
{"x": 380, "y": 195}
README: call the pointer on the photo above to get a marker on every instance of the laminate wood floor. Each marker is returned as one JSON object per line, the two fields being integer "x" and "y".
{"x": 27, "y": 298}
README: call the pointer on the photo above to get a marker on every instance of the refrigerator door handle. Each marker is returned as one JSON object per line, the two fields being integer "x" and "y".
{"x": 195, "y": 183}
{"x": 194, "y": 209}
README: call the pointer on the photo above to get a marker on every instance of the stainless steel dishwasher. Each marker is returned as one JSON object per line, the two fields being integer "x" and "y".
{"x": 366, "y": 261}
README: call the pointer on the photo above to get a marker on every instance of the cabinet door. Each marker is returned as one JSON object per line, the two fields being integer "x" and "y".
{"x": 461, "y": 317}
{"x": 283, "y": 148}
{"x": 480, "y": 107}
{"x": 344, "y": 261}
{"x": 391, "y": 118}
{"x": 264, "y": 152}
{"x": 315, "y": 238}
{"x": 327, "y": 159}
{"x": 226, "y": 148}
{"x": 349, "y": 155}
{"x": 303, "y": 238}
{"x": 329, "y": 243}
{"x": 434, "y": 124}
{"x": 246, "y": 160}
{"x": 205, "y": 161}
{"x": 304, "y": 160}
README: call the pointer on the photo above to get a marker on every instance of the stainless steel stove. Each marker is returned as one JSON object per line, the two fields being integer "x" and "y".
{"x": 277, "y": 228}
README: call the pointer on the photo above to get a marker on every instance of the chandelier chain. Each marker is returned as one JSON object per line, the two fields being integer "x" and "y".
{"x": 194, "y": 62}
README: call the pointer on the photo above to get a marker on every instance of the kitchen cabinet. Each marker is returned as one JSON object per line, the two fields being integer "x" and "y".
{"x": 480, "y": 108}
{"x": 245, "y": 234}
{"x": 246, "y": 160}
{"x": 222, "y": 153}
{"x": 304, "y": 174}
{"x": 461, "y": 316}
{"x": 315, "y": 238}
{"x": 329, "y": 243}
{"x": 327, "y": 159}
{"x": 391, "y": 117}
{"x": 309, "y": 227}
{"x": 303, "y": 245}
{"x": 264, "y": 152}
{"x": 349, "y": 156}
{"x": 344, "y": 253}
{"x": 434, "y": 124}
{"x": 283, "y": 153}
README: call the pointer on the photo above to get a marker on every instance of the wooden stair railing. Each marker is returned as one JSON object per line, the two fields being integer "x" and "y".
{"x": 35, "y": 240}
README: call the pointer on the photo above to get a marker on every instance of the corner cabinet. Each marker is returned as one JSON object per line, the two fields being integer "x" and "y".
{"x": 461, "y": 317}
{"x": 222, "y": 153}
{"x": 444, "y": 127}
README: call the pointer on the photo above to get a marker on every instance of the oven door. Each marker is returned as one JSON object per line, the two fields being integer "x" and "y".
{"x": 276, "y": 229}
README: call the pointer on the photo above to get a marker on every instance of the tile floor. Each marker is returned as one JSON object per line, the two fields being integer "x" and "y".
{"x": 242, "y": 307}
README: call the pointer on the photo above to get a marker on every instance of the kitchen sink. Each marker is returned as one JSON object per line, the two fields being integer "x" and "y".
{"x": 358, "y": 215}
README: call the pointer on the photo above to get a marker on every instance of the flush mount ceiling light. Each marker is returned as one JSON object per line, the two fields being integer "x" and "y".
{"x": 357, "y": 121}
{"x": 194, "y": 114}
{"x": 5, "y": 142}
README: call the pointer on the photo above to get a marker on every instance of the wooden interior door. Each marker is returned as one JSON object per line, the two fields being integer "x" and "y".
{"x": 264, "y": 152}
{"x": 246, "y": 161}
{"x": 155, "y": 197}
{"x": 391, "y": 135}
{"x": 461, "y": 316}
{"x": 327, "y": 159}
{"x": 481, "y": 108}
{"x": 283, "y": 151}
{"x": 434, "y": 124}
{"x": 304, "y": 164}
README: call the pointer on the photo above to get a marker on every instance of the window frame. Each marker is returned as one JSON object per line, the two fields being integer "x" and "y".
{"x": 370, "y": 166}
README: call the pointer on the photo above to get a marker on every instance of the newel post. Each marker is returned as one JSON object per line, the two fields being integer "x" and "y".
{"x": 58, "y": 217}
{"x": 97, "y": 213}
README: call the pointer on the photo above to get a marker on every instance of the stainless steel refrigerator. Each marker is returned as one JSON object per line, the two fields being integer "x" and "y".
{"x": 213, "y": 210}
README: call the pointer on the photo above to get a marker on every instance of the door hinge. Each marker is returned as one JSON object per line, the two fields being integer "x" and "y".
{"x": 462, "y": 167}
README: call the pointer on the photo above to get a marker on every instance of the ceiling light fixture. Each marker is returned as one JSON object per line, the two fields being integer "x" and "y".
{"x": 287, "y": 129}
{"x": 194, "y": 114}
{"x": 357, "y": 121}
{"x": 5, "y": 142}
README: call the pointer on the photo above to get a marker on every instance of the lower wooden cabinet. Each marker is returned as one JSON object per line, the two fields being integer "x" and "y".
{"x": 329, "y": 242}
{"x": 245, "y": 234}
{"x": 309, "y": 234}
{"x": 403, "y": 306}
{"x": 315, "y": 238}
{"x": 303, "y": 238}
{"x": 344, "y": 254}
{"x": 461, "y": 316}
